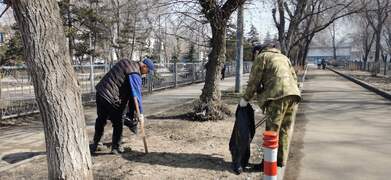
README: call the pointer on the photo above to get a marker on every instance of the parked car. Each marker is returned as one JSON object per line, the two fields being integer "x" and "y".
{"x": 99, "y": 61}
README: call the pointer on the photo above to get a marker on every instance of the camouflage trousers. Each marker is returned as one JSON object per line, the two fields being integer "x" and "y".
{"x": 279, "y": 119}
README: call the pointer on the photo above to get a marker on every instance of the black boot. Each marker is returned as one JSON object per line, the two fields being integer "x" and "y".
{"x": 257, "y": 167}
{"x": 96, "y": 147}
{"x": 236, "y": 168}
{"x": 117, "y": 150}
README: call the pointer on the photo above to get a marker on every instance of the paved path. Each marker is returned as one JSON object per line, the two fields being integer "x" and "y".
{"x": 342, "y": 131}
{"x": 19, "y": 143}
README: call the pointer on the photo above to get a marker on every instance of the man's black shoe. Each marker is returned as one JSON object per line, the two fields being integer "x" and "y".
{"x": 279, "y": 164}
{"x": 257, "y": 167}
{"x": 95, "y": 147}
{"x": 238, "y": 170}
{"x": 118, "y": 150}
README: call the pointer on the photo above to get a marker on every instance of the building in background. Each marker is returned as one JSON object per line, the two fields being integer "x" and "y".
{"x": 343, "y": 53}
{"x": 5, "y": 34}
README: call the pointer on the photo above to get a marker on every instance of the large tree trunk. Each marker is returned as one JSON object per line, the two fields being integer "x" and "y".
{"x": 210, "y": 106}
{"x": 306, "y": 48}
{"x": 56, "y": 88}
{"x": 281, "y": 25}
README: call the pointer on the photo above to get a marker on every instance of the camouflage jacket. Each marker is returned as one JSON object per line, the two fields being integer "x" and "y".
{"x": 272, "y": 77}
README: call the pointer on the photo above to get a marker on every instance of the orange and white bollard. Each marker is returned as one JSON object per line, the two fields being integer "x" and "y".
{"x": 270, "y": 145}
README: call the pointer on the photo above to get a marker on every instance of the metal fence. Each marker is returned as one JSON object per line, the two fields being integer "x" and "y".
{"x": 17, "y": 96}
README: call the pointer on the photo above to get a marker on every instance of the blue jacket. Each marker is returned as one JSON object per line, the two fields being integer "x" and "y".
{"x": 135, "y": 82}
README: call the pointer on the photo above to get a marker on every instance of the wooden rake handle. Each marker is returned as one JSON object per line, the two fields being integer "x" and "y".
{"x": 141, "y": 126}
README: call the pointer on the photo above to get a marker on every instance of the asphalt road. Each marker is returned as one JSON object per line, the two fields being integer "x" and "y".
{"x": 342, "y": 131}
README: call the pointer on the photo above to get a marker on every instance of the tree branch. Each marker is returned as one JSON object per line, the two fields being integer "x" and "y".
{"x": 230, "y": 6}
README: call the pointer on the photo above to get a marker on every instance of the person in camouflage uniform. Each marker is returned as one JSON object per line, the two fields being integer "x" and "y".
{"x": 274, "y": 81}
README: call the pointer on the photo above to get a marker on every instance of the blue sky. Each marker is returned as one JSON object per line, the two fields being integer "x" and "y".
{"x": 261, "y": 16}
{"x": 5, "y": 19}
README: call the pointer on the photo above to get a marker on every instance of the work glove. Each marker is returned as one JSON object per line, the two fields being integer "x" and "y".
{"x": 140, "y": 118}
{"x": 243, "y": 102}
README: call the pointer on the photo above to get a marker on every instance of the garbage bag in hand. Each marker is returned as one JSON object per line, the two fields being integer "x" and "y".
{"x": 242, "y": 135}
{"x": 130, "y": 122}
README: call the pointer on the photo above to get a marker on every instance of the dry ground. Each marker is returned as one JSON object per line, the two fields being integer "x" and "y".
{"x": 379, "y": 81}
{"x": 179, "y": 149}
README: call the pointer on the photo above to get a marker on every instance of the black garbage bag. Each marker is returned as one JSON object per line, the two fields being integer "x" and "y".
{"x": 242, "y": 135}
{"x": 129, "y": 118}
{"x": 130, "y": 122}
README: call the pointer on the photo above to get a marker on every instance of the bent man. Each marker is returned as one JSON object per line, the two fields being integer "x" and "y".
{"x": 274, "y": 81}
{"x": 112, "y": 95}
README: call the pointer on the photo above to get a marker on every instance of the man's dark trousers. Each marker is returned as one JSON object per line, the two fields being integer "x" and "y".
{"x": 106, "y": 111}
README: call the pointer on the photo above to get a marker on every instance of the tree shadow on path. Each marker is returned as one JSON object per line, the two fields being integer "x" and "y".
{"x": 17, "y": 157}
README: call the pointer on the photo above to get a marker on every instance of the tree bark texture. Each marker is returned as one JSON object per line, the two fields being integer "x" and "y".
{"x": 56, "y": 88}
{"x": 210, "y": 99}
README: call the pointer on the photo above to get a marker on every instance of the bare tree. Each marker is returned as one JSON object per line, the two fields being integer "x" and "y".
{"x": 217, "y": 14}
{"x": 333, "y": 40}
{"x": 387, "y": 39}
{"x": 366, "y": 37}
{"x": 377, "y": 12}
{"x": 307, "y": 17}
{"x": 56, "y": 88}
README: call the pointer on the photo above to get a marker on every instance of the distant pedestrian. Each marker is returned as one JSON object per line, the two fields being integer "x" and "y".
{"x": 223, "y": 72}
{"x": 319, "y": 63}
{"x": 323, "y": 64}
{"x": 121, "y": 84}
{"x": 274, "y": 80}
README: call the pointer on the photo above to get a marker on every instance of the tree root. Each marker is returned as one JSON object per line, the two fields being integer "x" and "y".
{"x": 210, "y": 111}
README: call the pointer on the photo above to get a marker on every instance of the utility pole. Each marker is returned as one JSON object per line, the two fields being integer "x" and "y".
{"x": 239, "y": 51}
{"x": 91, "y": 68}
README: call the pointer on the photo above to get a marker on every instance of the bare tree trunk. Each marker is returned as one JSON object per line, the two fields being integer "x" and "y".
{"x": 55, "y": 85}
{"x": 119, "y": 52}
{"x": 296, "y": 19}
{"x": 211, "y": 96}
{"x": 133, "y": 37}
{"x": 384, "y": 58}
{"x": 367, "y": 43}
{"x": 210, "y": 106}
{"x": 307, "y": 46}
{"x": 333, "y": 42}
{"x": 385, "y": 66}
{"x": 376, "y": 69}
{"x": 280, "y": 24}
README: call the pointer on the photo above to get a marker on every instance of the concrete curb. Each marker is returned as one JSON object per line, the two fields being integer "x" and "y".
{"x": 364, "y": 84}
{"x": 281, "y": 171}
